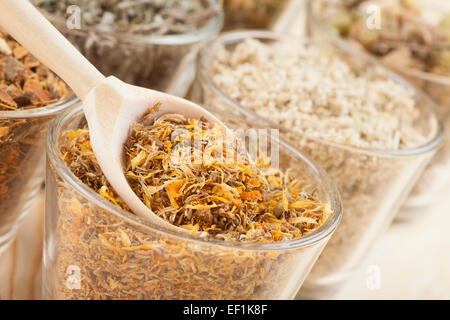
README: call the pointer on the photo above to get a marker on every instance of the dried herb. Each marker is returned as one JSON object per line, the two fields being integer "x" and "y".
{"x": 119, "y": 259}
{"x": 414, "y": 35}
{"x": 24, "y": 84}
{"x": 230, "y": 201}
{"x": 147, "y": 17}
{"x": 405, "y": 38}
{"x": 325, "y": 99}
{"x": 118, "y": 36}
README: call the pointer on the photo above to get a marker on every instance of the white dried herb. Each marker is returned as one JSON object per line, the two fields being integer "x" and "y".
{"x": 326, "y": 106}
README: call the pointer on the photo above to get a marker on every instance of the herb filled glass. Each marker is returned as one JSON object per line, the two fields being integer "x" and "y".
{"x": 140, "y": 42}
{"x": 30, "y": 96}
{"x": 341, "y": 109}
{"x": 94, "y": 249}
{"x": 414, "y": 40}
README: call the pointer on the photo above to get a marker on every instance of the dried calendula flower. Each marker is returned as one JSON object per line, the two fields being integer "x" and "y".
{"x": 223, "y": 205}
{"x": 228, "y": 200}
{"x": 220, "y": 199}
{"x": 24, "y": 84}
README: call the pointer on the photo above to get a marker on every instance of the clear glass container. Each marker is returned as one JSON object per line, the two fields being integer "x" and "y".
{"x": 148, "y": 61}
{"x": 324, "y": 14}
{"x": 373, "y": 183}
{"x": 436, "y": 176}
{"x": 22, "y": 165}
{"x": 95, "y": 250}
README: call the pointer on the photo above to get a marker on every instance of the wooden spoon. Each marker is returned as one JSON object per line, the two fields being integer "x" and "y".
{"x": 110, "y": 105}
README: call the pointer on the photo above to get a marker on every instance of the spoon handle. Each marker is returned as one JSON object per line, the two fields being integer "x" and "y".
{"x": 29, "y": 27}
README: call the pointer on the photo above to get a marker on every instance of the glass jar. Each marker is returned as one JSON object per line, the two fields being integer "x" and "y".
{"x": 147, "y": 61}
{"x": 372, "y": 183}
{"x": 322, "y": 16}
{"x": 22, "y": 139}
{"x": 435, "y": 179}
{"x": 95, "y": 250}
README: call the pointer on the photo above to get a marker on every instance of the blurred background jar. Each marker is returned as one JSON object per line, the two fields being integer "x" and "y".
{"x": 142, "y": 43}
{"x": 30, "y": 97}
{"x": 373, "y": 183}
{"x": 22, "y": 162}
{"x": 252, "y": 14}
{"x": 413, "y": 38}
{"x": 93, "y": 249}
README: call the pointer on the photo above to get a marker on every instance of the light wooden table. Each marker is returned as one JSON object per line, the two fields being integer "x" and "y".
{"x": 412, "y": 260}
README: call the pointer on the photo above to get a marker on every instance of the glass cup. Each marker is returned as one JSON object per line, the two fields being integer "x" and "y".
{"x": 373, "y": 183}
{"x": 95, "y": 250}
{"x": 436, "y": 177}
{"x": 22, "y": 139}
{"x": 148, "y": 61}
